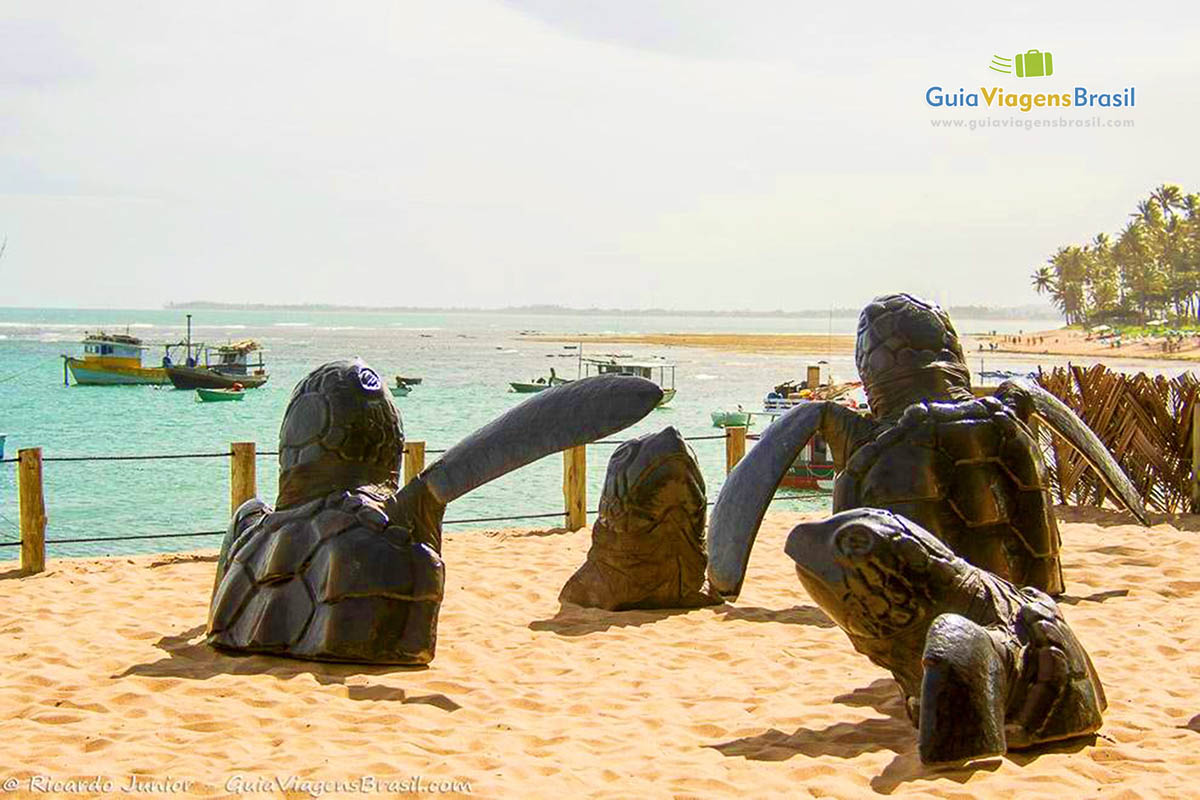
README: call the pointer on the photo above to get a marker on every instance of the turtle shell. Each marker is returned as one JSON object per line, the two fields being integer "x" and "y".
{"x": 970, "y": 473}
{"x": 329, "y": 580}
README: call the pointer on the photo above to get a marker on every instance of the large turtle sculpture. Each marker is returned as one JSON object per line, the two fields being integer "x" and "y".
{"x": 648, "y": 541}
{"x": 347, "y": 566}
{"x": 983, "y": 666}
{"x": 967, "y": 469}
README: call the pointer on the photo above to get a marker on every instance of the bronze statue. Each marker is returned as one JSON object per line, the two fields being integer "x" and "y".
{"x": 966, "y": 469}
{"x": 648, "y": 541}
{"x": 983, "y": 666}
{"x": 347, "y": 567}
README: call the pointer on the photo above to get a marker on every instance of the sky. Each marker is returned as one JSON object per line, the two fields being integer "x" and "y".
{"x": 628, "y": 153}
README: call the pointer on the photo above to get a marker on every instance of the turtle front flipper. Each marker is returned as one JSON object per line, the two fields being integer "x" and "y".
{"x": 748, "y": 490}
{"x": 963, "y": 693}
{"x": 1026, "y": 397}
{"x": 556, "y": 419}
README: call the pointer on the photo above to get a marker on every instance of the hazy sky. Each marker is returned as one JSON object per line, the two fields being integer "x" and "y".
{"x": 636, "y": 153}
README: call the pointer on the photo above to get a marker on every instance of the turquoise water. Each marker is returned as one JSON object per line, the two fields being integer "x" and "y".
{"x": 467, "y": 360}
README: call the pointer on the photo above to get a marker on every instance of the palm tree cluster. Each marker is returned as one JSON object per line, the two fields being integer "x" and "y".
{"x": 1150, "y": 269}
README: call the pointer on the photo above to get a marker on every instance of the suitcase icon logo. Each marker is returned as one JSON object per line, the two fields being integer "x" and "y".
{"x": 1030, "y": 64}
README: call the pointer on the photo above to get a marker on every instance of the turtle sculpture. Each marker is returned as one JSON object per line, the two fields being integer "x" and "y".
{"x": 983, "y": 666}
{"x": 347, "y": 566}
{"x": 967, "y": 469}
{"x": 648, "y": 542}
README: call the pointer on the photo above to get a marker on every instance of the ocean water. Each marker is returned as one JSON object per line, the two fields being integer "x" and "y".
{"x": 466, "y": 359}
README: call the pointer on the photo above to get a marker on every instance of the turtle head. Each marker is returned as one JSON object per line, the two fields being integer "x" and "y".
{"x": 652, "y": 475}
{"x": 907, "y": 352}
{"x": 340, "y": 431}
{"x": 870, "y": 570}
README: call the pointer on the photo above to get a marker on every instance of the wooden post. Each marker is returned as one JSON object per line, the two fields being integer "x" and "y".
{"x": 243, "y": 476}
{"x": 575, "y": 487}
{"x": 414, "y": 459}
{"x": 32, "y": 510}
{"x": 1196, "y": 456}
{"x": 813, "y": 379}
{"x": 735, "y": 447}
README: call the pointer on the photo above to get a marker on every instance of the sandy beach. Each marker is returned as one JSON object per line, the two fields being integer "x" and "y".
{"x": 106, "y": 675}
{"x": 1064, "y": 342}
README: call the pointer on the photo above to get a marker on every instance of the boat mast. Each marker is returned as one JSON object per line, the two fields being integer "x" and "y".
{"x": 188, "y": 359}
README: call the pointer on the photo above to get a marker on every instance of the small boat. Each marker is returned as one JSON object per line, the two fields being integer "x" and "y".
{"x": 112, "y": 359}
{"x": 731, "y": 419}
{"x": 400, "y": 390}
{"x": 537, "y": 385}
{"x": 615, "y": 365}
{"x": 235, "y": 392}
{"x": 402, "y": 380}
{"x": 224, "y": 365}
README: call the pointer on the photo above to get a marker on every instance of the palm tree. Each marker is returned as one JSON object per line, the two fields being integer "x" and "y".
{"x": 1043, "y": 280}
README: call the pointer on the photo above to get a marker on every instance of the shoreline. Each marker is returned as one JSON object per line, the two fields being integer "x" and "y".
{"x": 108, "y": 675}
{"x": 1058, "y": 343}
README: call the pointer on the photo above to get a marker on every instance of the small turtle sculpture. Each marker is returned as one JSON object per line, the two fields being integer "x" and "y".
{"x": 648, "y": 541}
{"x": 347, "y": 566}
{"x": 967, "y": 469}
{"x": 983, "y": 666}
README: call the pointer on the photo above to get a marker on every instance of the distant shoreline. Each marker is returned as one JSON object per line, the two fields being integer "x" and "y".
{"x": 1029, "y": 312}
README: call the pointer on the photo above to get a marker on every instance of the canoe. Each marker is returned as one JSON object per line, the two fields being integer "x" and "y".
{"x": 530, "y": 388}
{"x": 219, "y": 395}
{"x": 401, "y": 390}
{"x": 731, "y": 419}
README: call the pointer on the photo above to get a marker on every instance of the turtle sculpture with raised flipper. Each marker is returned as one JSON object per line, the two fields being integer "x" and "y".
{"x": 983, "y": 666}
{"x": 648, "y": 541}
{"x": 347, "y": 566}
{"x": 967, "y": 469}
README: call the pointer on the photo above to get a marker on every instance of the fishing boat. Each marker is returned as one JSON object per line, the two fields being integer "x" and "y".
{"x": 640, "y": 369}
{"x": 400, "y": 390}
{"x": 402, "y": 380}
{"x": 235, "y": 392}
{"x": 813, "y": 468}
{"x": 224, "y": 365}
{"x": 113, "y": 359}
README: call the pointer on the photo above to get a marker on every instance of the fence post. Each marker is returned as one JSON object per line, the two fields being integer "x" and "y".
{"x": 32, "y": 510}
{"x": 735, "y": 446}
{"x": 243, "y": 475}
{"x": 1196, "y": 456}
{"x": 575, "y": 487}
{"x": 414, "y": 459}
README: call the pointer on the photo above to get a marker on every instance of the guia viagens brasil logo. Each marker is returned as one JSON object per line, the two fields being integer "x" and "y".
{"x": 1029, "y": 64}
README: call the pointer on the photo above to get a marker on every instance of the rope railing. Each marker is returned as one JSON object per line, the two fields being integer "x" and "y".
{"x": 243, "y": 486}
{"x": 266, "y": 453}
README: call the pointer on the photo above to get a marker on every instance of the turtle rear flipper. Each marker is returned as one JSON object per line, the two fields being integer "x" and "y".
{"x": 1027, "y": 397}
{"x": 962, "y": 693}
{"x": 556, "y": 419}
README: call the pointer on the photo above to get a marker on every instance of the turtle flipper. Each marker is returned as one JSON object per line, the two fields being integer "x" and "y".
{"x": 963, "y": 693}
{"x": 740, "y": 507}
{"x": 1028, "y": 397}
{"x": 555, "y": 419}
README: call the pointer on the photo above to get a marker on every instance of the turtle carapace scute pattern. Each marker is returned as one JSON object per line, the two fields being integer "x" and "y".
{"x": 967, "y": 469}
{"x": 347, "y": 566}
{"x": 983, "y": 666}
{"x": 648, "y": 540}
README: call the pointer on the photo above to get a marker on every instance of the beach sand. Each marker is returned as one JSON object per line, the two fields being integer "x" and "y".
{"x": 1064, "y": 342}
{"x": 105, "y": 674}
